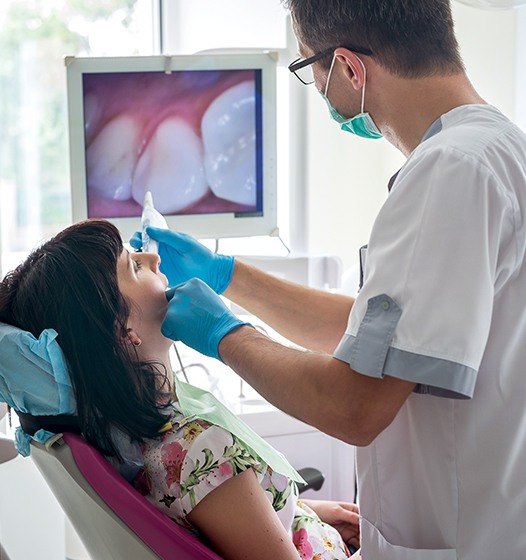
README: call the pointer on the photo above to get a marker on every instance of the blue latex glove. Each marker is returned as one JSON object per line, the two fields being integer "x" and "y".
{"x": 198, "y": 317}
{"x": 183, "y": 257}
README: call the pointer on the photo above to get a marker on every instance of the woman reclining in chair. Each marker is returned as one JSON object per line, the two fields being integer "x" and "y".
{"x": 107, "y": 306}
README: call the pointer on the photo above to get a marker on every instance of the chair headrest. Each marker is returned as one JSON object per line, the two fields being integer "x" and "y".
{"x": 35, "y": 382}
{"x": 34, "y": 376}
{"x": 56, "y": 424}
{"x": 34, "y": 379}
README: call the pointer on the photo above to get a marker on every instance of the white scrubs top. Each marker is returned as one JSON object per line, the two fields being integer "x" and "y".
{"x": 443, "y": 304}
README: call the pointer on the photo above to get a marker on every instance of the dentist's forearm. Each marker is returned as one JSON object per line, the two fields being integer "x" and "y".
{"x": 312, "y": 387}
{"x": 315, "y": 388}
{"x": 311, "y": 318}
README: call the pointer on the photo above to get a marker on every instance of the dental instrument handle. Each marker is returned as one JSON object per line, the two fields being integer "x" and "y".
{"x": 151, "y": 217}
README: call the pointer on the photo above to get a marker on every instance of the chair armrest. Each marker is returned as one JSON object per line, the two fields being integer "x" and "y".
{"x": 313, "y": 477}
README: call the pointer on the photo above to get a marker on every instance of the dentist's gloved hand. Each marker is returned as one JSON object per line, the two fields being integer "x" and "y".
{"x": 198, "y": 317}
{"x": 183, "y": 257}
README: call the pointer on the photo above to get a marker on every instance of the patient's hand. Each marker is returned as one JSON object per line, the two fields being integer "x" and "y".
{"x": 344, "y": 517}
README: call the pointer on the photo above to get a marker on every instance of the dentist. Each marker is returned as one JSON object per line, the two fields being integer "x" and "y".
{"x": 424, "y": 371}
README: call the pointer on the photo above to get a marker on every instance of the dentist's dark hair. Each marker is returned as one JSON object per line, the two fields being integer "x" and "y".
{"x": 410, "y": 38}
{"x": 70, "y": 284}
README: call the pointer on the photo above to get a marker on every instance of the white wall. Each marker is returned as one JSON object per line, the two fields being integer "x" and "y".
{"x": 348, "y": 176}
{"x": 31, "y": 520}
{"x": 257, "y": 24}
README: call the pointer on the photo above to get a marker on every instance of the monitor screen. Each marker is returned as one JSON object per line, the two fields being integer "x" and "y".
{"x": 196, "y": 136}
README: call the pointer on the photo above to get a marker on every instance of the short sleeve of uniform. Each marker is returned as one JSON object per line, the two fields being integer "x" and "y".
{"x": 424, "y": 311}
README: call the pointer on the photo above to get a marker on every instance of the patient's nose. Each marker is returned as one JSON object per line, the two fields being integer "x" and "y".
{"x": 153, "y": 260}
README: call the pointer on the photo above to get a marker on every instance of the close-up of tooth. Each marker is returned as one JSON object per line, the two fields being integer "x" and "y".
{"x": 112, "y": 156}
{"x": 171, "y": 167}
{"x": 229, "y": 137}
{"x": 92, "y": 114}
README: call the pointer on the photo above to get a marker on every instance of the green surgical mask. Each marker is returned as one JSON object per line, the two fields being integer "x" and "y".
{"x": 197, "y": 403}
{"x": 362, "y": 125}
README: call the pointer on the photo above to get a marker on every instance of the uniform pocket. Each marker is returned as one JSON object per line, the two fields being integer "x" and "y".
{"x": 376, "y": 547}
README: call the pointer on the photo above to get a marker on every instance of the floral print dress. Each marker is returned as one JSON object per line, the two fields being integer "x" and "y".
{"x": 194, "y": 457}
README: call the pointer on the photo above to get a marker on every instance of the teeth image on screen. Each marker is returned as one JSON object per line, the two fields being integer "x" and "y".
{"x": 190, "y": 138}
{"x": 111, "y": 158}
{"x": 92, "y": 115}
{"x": 229, "y": 138}
{"x": 171, "y": 167}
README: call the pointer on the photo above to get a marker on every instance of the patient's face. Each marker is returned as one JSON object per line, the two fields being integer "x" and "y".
{"x": 143, "y": 285}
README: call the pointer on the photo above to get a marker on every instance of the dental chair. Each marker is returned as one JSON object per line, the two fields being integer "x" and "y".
{"x": 113, "y": 520}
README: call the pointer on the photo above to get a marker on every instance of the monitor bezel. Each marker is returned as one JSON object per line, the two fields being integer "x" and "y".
{"x": 199, "y": 225}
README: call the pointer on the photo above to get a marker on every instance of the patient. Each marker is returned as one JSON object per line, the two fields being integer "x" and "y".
{"x": 107, "y": 306}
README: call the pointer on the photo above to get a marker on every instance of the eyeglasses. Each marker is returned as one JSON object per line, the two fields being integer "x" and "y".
{"x": 302, "y": 67}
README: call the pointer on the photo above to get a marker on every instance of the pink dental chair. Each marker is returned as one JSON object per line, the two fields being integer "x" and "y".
{"x": 111, "y": 518}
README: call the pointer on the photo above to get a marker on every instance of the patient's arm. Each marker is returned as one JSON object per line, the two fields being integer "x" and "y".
{"x": 311, "y": 318}
{"x": 240, "y": 523}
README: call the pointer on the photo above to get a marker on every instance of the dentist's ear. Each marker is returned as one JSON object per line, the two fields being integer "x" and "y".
{"x": 354, "y": 67}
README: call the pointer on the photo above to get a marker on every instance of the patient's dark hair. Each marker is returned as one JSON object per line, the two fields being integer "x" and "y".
{"x": 411, "y": 38}
{"x": 70, "y": 284}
